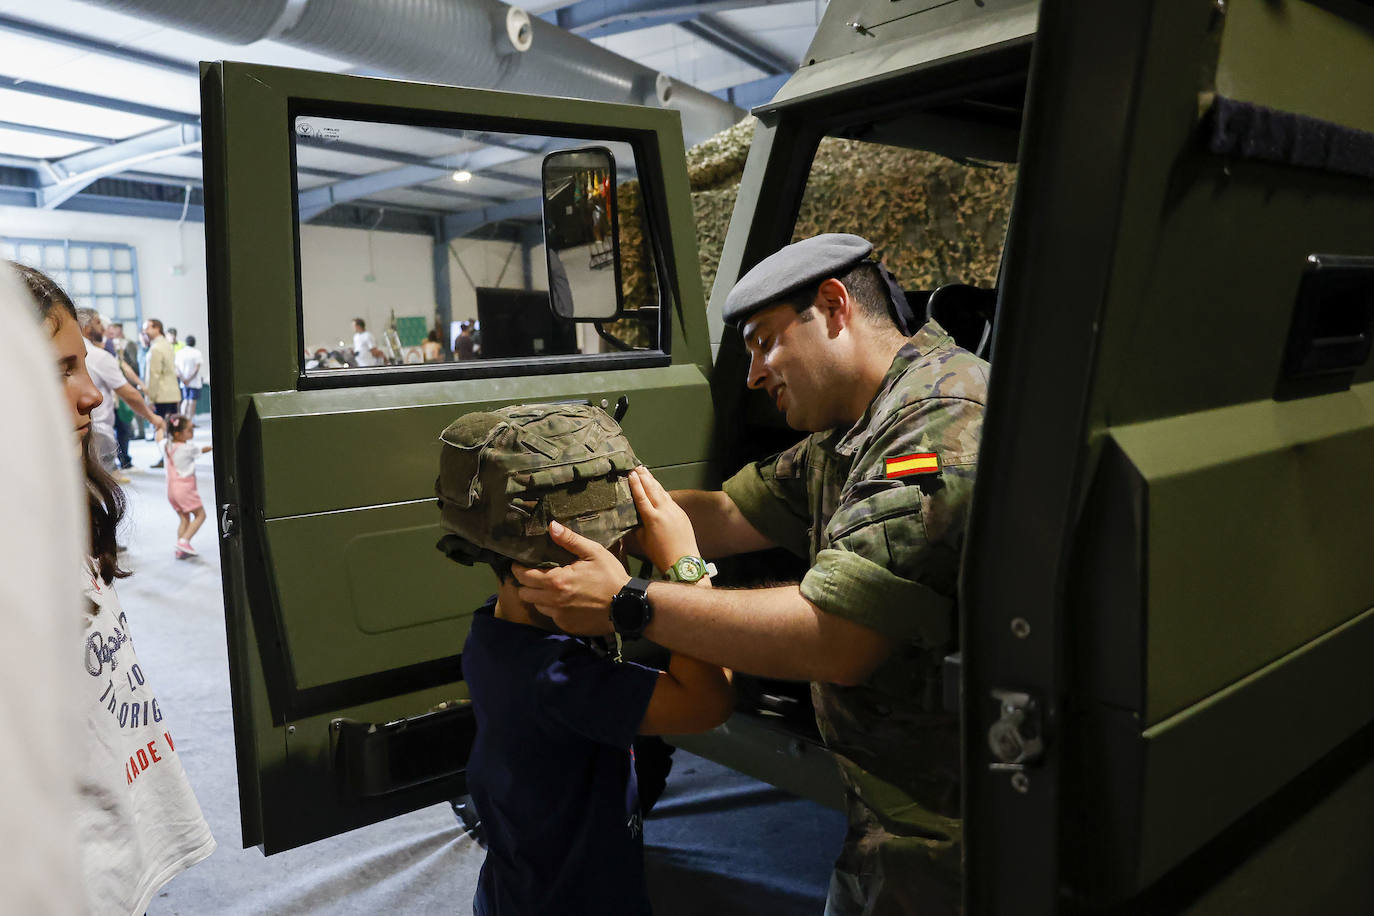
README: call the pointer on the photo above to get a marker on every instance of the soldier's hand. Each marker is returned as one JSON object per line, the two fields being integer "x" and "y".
{"x": 665, "y": 535}
{"x": 577, "y": 596}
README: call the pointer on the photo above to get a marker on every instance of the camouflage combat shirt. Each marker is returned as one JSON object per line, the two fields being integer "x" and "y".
{"x": 884, "y": 552}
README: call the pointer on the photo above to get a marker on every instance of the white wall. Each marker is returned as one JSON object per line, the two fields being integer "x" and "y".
{"x": 176, "y": 298}
{"x": 487, "y": 264}
{"x": 335, "y": 263}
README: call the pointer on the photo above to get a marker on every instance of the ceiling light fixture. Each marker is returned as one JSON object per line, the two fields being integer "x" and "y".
{"x": 462, "y": 175}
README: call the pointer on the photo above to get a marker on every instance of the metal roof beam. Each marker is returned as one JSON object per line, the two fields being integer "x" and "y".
{"x": 508, "y": 178}
{"x": 125, "y": 206}
{"x": 30, "y": 87}
{"x": 606, "y": 28}
{"x": 456, "y": 225}
{"x": 757, "y": 92}
{"x": 54, "y": 132}
{"x": 595, "y": 18}
{"x": 419, "y": 170}
{"x": 313, "y": 202}
{"x": 18, "y": 197}
{"x": 157, "y": 178}
{"x": 720, "y": 33}
{"x": 316, "y": 200}
{"x": 159, "y": 140}
{"x": 19, "y": 26}
{"x": 76, "y": 172}
{"x": 377, "y": 152}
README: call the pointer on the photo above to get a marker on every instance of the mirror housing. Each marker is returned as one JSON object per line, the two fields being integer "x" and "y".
{"x": 582, "y": 234}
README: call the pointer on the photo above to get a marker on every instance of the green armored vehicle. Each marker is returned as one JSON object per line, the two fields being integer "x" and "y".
{"x": 1167, "y": 604}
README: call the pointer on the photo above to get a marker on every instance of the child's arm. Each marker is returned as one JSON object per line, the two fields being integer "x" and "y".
{"x": 207, "y": 449}
{"x": 691, "y": 696}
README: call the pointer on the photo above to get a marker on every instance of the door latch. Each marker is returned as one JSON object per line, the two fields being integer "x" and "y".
{"x": 228, "y": 520}
{"x": 1017, "y": 737}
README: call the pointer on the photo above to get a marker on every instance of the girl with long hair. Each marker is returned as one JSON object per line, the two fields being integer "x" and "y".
{"x": 138, "y": 821}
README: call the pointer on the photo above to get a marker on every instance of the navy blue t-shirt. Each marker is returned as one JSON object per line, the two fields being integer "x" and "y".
{"x": 552, "y": 773}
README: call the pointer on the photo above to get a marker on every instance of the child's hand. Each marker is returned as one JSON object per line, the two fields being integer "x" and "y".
{"x": 665, "y": 532}
{"x": 208, "y": 448}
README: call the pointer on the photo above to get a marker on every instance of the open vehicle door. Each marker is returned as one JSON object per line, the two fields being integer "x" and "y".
{"x": 1167, "y": 588}
{"x": 332, "y": 197}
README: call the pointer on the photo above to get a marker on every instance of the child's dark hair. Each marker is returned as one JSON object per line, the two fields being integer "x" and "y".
{"x": 178, "y": 424}
{"x": 105, "y": 500}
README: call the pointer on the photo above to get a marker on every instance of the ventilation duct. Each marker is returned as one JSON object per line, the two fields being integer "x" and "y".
{"x": 480, "y": 43}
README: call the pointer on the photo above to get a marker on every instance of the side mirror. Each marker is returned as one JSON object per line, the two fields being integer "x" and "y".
{"x": 582, "y": 234}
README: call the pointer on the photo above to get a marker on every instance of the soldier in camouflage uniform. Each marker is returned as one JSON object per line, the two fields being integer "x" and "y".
{"x": 876, "y": 498}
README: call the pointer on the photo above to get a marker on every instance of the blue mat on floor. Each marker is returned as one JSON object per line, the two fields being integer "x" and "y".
{"x": 720, "y": 842}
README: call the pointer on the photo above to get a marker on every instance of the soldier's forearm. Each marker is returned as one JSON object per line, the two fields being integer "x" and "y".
{"x": 771, "y": 632}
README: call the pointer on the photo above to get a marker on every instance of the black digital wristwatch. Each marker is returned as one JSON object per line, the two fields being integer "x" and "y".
{"x": 630, "y": 610}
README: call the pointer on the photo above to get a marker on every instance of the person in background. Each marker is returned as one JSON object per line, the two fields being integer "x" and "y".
{"x": 145, "y": 345}
{"x": 109, "y": 346}
{"x": 181, "y": 454}
{"x": 110, "y": 378}
{"x": 365, "y": 351}
{"x": 189, "y": 363}
{"x": 137, "y": 821}
{"x": 172, "y": 337}
{"x": 464, "y": 346}
{"x": 126, "y": 351}
{"x": 433, "y": 348}
{"x": 161, "y": 379}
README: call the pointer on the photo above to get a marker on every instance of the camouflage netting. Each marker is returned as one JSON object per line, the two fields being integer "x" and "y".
{"x": 932, "y": 219}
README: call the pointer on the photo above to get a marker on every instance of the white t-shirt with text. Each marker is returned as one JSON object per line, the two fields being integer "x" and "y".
{"x": 138, "y": 822}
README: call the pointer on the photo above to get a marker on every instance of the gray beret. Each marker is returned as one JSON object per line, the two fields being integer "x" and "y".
{"x": 799, "y": 265}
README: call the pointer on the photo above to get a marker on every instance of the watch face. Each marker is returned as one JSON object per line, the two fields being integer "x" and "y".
{"x": 690, "y": 569}
{"x": 630, "y": 612}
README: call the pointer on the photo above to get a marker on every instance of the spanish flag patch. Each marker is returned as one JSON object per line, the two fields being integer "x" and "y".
{"x": 920, "y": 463}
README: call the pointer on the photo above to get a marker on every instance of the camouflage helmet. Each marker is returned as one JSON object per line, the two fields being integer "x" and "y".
{"x": 505, "y": 474}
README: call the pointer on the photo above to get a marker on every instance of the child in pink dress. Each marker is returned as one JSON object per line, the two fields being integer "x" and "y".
{"x": 181, "y": 454}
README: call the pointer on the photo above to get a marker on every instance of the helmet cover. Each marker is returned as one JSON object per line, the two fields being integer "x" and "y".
{"x": 505, "y": 474}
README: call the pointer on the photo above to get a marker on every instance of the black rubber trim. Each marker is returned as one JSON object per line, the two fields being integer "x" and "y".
{"x": 341, "y": 695}
{"x": 1250, "y": 131}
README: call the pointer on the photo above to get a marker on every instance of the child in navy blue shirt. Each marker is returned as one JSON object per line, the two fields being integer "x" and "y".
{"x": 552, "y": 770}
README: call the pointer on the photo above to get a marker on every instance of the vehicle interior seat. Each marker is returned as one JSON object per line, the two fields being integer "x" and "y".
{"x": 966, "y": 312}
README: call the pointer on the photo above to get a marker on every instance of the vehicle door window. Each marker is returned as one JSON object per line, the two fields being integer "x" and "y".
{"x": 934, "y": 218}
{"x": 433, "y": 237}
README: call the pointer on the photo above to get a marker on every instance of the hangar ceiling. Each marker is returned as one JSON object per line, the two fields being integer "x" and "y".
{"x": 99, "y": 107}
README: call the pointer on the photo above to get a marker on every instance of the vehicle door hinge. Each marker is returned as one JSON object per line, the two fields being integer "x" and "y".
{"x": 228, "y": 520}
{"x": 1017, "y": 738}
